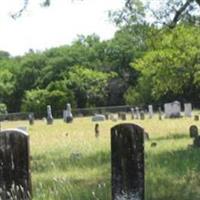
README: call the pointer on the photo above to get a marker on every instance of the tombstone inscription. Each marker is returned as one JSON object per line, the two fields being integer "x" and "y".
{"x": 15, "y": 178}
{"x": 127, "y": 155}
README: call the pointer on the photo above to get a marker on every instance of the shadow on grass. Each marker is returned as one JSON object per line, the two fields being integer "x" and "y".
{"x": 59, "y": 160}
{"x": 171, "y": 137}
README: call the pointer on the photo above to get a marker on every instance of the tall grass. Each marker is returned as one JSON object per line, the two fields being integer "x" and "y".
{"x": 68, "y": 162}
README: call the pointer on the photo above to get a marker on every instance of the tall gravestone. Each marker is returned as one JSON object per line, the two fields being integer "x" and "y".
{"x": 127, "y": 155}
{"x": 150, "y": 108}
{"x": 67, "y": 114}
{"x": 160, "y": 113}
{"x": 49, "y": 115}
{"x": 188, "y": 109}
{"x": 142, "y": 115}
{"x": 15, "y": 177}
{"x": 132, "y": 113}
{"x": 137, "y": 112}
{"x": 31, "y": 118}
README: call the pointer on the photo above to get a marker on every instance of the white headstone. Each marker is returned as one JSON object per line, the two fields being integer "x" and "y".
{"x": 98, "y": 117}
{"x": 188, "y": 109}
{"x": 137, "y": 113}
{"x": 172, "y": 109}
{"x": 150, "y": 107}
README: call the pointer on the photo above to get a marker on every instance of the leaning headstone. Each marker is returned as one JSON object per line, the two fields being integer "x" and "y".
{"x": 127, "y": 155}
{"x": 150, "y": 110}
{"x": 193, "y": 131}
{"x": 137, "y": 112}
{"x": 188, "y": 109}
{"x": 142, "y": 115}
{"x": 98, "y": 117}
{"x": 49, "y": 115}
{"x": 196, "y": 118}
{"x": 15, "y": 177}
{"x": 31, "y": 118}
{"x": 67, "y": 114}
{"x": 172, "y": 110}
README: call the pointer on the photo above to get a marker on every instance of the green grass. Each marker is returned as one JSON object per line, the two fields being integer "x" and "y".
{"x": 68, "y": 162}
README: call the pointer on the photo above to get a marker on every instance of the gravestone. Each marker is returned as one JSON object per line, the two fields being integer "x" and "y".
{"x": 193, "y": 131}
{"x": 160, "y": 113}
{"x": 196, "y": 118}
{"x": 122, "y": 115}
{"x": 132, "y": 113}
{"x": 31, "y": 118}
{"x": 98, "y": 117}
{"x": 96, "y": 129}
{"x": 127, "y": 155}
{"x": 188, "y": 109}
{"x": 150, "y": 108}
{"x": 113, "y": 117}
{"x": 137, "y": 112}
{"x": 142, "y": 115}
{"x": 67, "y": 114}
{"x": 15, "y": 177}
{"x": 172, "y": 110}
{"x": 49, "y": 115}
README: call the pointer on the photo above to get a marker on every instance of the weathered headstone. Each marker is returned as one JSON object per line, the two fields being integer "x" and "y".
{"x": 137, "y": 112}
{"x": 142, "y": 115}
{"x": 172, "y": 110}
{"x": 132, "y": 113}
{"x": 96, "y": 130}
{"x": 113, "y": 117}
{"x": 15, "y": 177}
{"x": 196, "y": 118}
{"x": 188, "y": 109}
{"x": 193, "y": 131}
{"x": 150, "y": 110}
{"x": 127, "y": 155}
{"x": 67, "y": 114}
{"x": 160, "y": 113}
{"x": 31, "y": 118}
{"x": 122, "y": 115}
{"x": 98, "y": 117}
{"x": 49, "y": 115}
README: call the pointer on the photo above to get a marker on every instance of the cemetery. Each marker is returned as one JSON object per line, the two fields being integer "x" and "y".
{"x": 98, "y": 159}
{"x": 100, "y": 100}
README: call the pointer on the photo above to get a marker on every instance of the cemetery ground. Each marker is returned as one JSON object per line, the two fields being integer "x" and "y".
{"x": 68, "y": 162}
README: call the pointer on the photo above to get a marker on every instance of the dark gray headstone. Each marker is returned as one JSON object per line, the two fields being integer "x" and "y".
{"x": 160, "y": 113}
{"x": 49, "y": 115}
{"x": 96, "y": 129}
{"x": 196, "y": 118}
{"x": 31, "y": 118}
{"x": 127, "y": 154}
{"x": 142, "y": 115}
{"x": 193, "y": 131}
{"x": 15, "y": 175}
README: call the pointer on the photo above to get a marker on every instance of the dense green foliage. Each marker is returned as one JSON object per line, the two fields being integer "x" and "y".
{"x": 143, "y": 63}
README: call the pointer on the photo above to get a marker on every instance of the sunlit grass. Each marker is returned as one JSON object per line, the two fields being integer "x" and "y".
{"x": 68, "y": 162}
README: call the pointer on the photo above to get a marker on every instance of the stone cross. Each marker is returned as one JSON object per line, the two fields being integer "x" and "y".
{"x": 49, "y": 115}
{"x": 127, "y": 155}
{"x": 15, "y": 177}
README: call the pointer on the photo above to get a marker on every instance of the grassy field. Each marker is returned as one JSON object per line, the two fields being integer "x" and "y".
{"x": 68, "y": 162}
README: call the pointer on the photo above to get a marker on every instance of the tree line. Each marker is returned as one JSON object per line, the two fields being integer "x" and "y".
{"x": 143, "y": 63}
